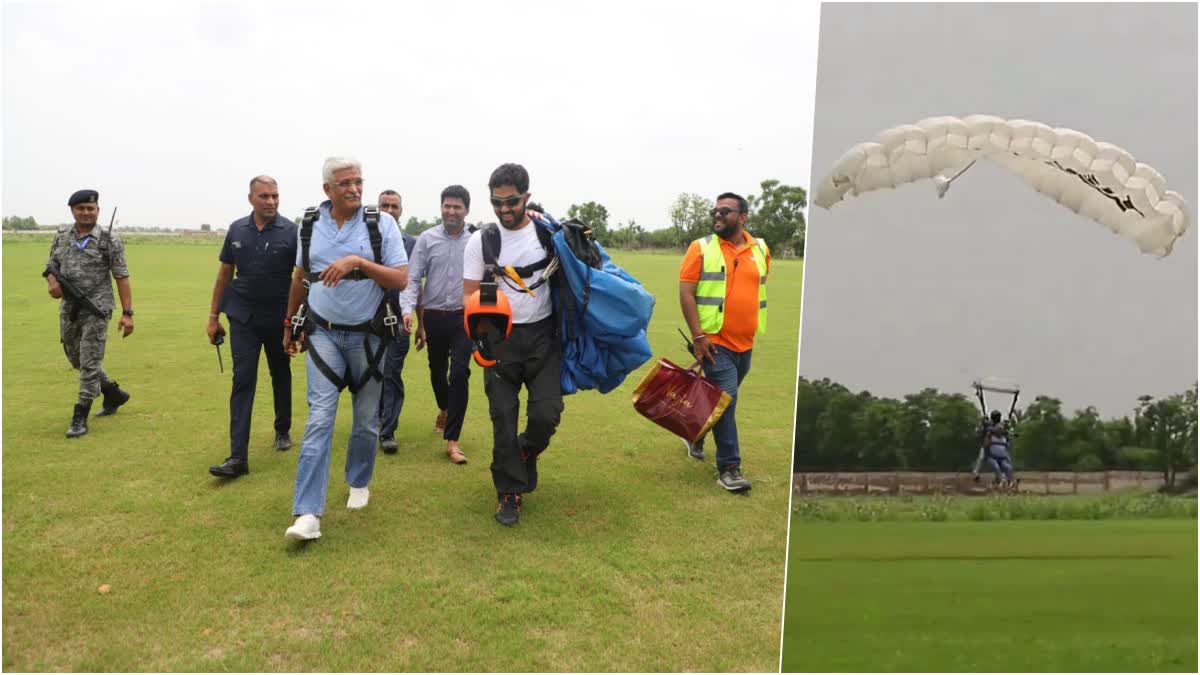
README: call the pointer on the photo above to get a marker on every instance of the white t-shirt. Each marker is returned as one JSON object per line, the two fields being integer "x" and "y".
{"x": 517, "y": 248}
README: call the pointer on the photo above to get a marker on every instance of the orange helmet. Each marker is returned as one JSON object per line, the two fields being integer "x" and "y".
{"x": 487, "y": 311}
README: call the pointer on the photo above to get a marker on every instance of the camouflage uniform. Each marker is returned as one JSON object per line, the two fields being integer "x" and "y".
{"x": 84, "y": 334}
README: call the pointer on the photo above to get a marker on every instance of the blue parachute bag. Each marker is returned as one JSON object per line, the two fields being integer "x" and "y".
{"x": 603, "y": 312}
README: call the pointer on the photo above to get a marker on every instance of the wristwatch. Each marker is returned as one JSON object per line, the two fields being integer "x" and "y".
{"x": 127, "y": 312}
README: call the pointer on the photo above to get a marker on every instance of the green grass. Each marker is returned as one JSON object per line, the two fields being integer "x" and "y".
{"x": 628, "y": 557}
{"x": 1067, "y": 595}
{"x": 1131, "y": 504}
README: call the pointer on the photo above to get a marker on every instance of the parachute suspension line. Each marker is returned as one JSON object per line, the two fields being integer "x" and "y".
{"x": 943, "y": 184}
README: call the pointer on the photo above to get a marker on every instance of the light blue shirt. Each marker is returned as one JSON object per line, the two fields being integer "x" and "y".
{"x": 351, "y": 301}
{"x": 438, "y": 258}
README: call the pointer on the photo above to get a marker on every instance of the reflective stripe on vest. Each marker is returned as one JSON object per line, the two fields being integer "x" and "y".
{"x": 710, "y": 290}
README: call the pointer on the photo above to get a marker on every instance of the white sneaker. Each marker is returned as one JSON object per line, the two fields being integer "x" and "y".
{"x": 358, "y": 498}
{"x": 305, "y": 528}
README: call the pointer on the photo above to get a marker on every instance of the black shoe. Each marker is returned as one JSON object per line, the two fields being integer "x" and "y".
{"x": 695, "y": 450}
{"x": 388, "y": 445}
{"x": 114, "y": 397}
{"x": 732, "y": 479}
{"x": 282, "y": 440}
{"x": 508, "y": 511}
{"x": 230, "y": 468}
{"x": 79, "y": 420}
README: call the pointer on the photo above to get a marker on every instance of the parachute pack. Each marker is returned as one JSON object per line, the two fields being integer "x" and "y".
{"x": 603, "y": 311}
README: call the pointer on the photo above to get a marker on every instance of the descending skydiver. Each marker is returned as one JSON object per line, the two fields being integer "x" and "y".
{"x": 995, "y": 446}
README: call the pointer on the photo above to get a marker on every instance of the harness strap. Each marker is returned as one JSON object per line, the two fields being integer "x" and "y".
{"x": 345, "y": 381}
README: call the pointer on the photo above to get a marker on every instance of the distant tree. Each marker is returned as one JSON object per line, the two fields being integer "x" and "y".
{"x": 416, "y": 226}
{"x": 690, "y": 218}
{"x": 628, "y": 235}
{"x": 18, "y": 223}
{"x": 1040, "y": 434}
{"x": 777, "y": 215}
{"x": 595, "y": 216}
{"x": 1169, "y": 427}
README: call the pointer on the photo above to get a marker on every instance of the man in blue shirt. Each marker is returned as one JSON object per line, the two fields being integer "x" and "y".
{"x": 391, "y": 399}
{"x": 342, "y": 336}
{"x": 261, "y": 249}
{"x": 438, "y": 307}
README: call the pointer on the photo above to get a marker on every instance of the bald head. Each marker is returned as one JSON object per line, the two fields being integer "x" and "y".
{"x": 265, "y": 180}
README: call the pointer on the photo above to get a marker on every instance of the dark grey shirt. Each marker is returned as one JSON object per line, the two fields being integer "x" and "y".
{"x": 438, "y": 258}
{"x": 263, "y": 264}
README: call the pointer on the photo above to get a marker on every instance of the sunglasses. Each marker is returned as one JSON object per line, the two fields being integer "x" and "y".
{"x": 510, "y": 202}
{"x": 722, "y": 212}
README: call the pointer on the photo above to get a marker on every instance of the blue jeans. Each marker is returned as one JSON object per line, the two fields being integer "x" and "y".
{"x": 391, "y": 400}
{"x": 728, "y": 371}
{"x": 342, "y": 351}
{"x": 1001, "y": 463}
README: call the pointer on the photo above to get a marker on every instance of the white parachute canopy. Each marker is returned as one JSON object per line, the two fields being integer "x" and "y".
{"x": 1097, "y": 180}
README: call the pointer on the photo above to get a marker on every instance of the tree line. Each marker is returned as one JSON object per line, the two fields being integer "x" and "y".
{"x": 776, "y": 214}
{"x": 841, "y": 430}
{"x": 18, "y": 223}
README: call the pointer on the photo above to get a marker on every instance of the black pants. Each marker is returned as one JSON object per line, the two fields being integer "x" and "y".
{"x": 531, "y": 356}
{"x": 265, "y": 330}
{"x": 391, "y": 396}
{"x": 449, "y": 366}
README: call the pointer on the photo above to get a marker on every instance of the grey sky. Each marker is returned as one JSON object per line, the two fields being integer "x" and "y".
{"x": 903, "y": 290}
{"x": 169, "y": 108}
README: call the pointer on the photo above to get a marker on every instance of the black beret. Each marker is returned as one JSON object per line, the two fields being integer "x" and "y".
{"x": 84, "y": 197}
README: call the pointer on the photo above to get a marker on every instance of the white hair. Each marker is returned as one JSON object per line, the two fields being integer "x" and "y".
{"x": 335, "y": 164}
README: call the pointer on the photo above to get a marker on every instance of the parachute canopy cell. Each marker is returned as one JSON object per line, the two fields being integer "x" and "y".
{"x": 1097, "y": 180}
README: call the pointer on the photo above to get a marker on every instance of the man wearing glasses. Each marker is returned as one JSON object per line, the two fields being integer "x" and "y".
{"x": 391, "y": 399}
{"x": 343, "y": 338}
{"x": 531, "y": 354}
{"x": 437, "y": 259}
{"x": 723, "y": 294}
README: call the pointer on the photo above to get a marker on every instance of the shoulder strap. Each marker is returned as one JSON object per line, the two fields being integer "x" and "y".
{"x": 371, "y": 216}
{"x": 306, "y": 230}
{"x": 489, "y": 244}
{"x": 544, "y": 234}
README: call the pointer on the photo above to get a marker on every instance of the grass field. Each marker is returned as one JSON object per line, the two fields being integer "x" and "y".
{"x": 628, "y": 557}
{"x": 1099, "y": 593}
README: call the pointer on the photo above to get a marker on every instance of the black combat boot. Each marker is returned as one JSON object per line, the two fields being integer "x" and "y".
{"x": 79, "y": 420}
{"x": 114, "y": 397}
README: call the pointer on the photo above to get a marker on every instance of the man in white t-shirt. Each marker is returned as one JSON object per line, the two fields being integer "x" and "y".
{"x": 531, "y": 355}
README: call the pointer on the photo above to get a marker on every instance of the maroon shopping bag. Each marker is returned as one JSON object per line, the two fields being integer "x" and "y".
{"x": 680, "y": 400}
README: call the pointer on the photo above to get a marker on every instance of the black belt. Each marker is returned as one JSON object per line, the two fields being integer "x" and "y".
{"x": 353, "y": 275}
{"x": 441, "y": 312}
{"x": 327, "y": 325}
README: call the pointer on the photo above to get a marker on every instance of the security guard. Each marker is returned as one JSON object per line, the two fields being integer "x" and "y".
{"x": 261, "y": 248}
{"x": 81, "y": 258}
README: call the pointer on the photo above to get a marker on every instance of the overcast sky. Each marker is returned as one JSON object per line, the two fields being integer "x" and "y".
{"x": 904, "y": 291}
{"x": 168, "y": 108}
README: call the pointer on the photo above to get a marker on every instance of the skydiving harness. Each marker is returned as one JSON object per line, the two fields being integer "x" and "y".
{"x": 385, "y": 324}
{"x": 513, "y": 275}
